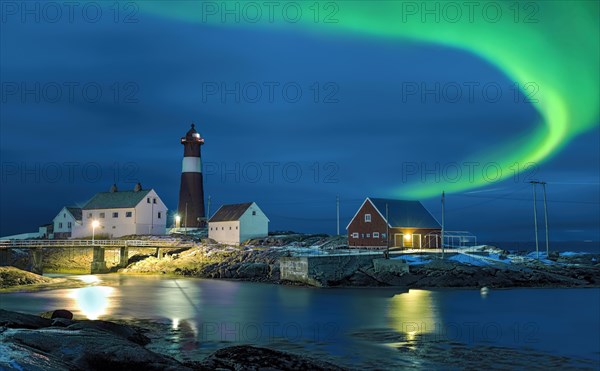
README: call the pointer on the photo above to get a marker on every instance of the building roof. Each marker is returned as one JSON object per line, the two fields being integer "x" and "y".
{"x": 404, "y": 213}
{"x": 116, "y": 200}
{"x": 229, "y": 213}
{"x": 75, "y": 212}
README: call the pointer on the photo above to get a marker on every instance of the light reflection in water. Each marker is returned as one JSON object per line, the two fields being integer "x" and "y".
{"x": 93, "y": 301}
{"x": 414, "y": 313}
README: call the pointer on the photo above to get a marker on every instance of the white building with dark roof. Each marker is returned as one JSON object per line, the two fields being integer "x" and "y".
{"x": 67, "y": 222}
{"x": 234, "y": 224}
{"x": 123, "y": 213}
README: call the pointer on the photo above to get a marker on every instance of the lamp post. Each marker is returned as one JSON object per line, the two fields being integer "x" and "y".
{"x": 177, "y": 221}
{"x": 95, "y": 224}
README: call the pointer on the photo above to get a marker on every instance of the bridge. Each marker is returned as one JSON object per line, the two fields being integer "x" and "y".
{"x": 99, "y": 246}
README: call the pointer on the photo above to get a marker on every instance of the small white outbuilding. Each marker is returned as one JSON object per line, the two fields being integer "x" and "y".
{"x": 233, "y": 224}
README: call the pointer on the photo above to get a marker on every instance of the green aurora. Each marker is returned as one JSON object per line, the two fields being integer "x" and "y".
{"x": 554, "y": 44}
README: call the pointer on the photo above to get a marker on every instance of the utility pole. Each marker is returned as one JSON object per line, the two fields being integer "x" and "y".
{"x": 546, "y": 218}
{"x": 443, "y": 220}
{"x": 537, "y": 248}
{"x": 208, "y": 209}
{"x": 387, "y": 234}
{"x": 337, "y": 207}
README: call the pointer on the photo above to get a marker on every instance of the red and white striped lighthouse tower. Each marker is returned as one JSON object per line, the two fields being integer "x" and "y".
{"x": 191, "y": 192}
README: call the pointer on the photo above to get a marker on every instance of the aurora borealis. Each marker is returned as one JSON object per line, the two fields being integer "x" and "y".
{"x": 359, "y": 133}
{"x": 526, "y": 41}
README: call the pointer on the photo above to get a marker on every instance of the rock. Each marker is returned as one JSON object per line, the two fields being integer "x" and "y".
{"x": 22, "y": 320}
{"x": 245, "y": 357}
{"x": 253, "y": 270}
{"x": 88, "y": 349}
{"x": 123, "y": 331}
{"x": 62, "y": 313}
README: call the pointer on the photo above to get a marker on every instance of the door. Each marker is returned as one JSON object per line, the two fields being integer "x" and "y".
{"x": 416, "y": 240}
{"x": 398, "y": 240}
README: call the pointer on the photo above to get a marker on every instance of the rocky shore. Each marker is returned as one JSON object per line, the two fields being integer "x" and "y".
{"x": 486, "y": 267}
{"x": 29, "y": 342}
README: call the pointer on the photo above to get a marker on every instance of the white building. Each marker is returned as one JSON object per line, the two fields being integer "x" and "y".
{"x": 123, "y": 213}
{"x": 67, "y": 222}
{"x": 233, "y": 224}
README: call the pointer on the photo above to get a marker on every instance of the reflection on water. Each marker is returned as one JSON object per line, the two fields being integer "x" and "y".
{"x": 414, "y": 313}
{"x": 92, "y": 301}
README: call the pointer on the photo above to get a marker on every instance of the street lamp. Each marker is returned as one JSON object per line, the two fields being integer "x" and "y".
{"x": 177, "y": 221}
{"x": 95, "y": 224}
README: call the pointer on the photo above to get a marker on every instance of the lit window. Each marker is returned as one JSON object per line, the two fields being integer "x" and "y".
{"x": 115, "y": 215}
{"x": 128, "y": 214}
{"x": 368, "y": 218}
{"x": 375, "y": 234}
{"x": 355, "y": 235}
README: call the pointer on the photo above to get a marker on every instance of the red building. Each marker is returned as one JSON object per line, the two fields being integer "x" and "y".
{"x": 381, "y": 222}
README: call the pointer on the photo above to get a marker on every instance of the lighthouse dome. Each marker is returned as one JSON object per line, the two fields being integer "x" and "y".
{"x": 192, "y": 134}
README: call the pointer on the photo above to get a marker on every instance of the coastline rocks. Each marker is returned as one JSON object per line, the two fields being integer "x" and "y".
{"x": 245, "y": 357}
{"x": 34, "y": 343}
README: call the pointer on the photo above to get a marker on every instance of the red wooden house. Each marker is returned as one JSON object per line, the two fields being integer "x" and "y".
{"x": 381, "y": 222}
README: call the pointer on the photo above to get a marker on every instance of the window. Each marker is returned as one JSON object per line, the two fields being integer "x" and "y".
{"x": 236, "y": 227}
{"x": 154, "y": 200}
{"x": 148, "y": 200}
{"x": 64, "y": 215}
{"x": 159, "y": 215}
{"x": 211, "y": 228}
{"x": 69, "y": 225}
{"x": 354, "y": 235}
{"x": 254, "y": 213}
{"x": 368, "y": 218}
{"x": 229, "y": 227}
{"x": 102, "y": 215}
{"x": 114, "y": 227}
{"x": 375, "y": 234}
{"x": 90, "y": 215}
{"x": 383, "y": 235}
{"x": 128, "y": 214}
{"x": 368, "y": 235}
{"x": 222, "y": 228}
{"x": 362, "y": 235}
{"x": 115, "y": 215}
{"x": 59, "y": 225}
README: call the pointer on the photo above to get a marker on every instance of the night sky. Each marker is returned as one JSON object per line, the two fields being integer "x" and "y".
{"x": 353, "y": 132}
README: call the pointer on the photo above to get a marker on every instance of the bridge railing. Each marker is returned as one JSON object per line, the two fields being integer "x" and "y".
{"x": 79, "y": 243}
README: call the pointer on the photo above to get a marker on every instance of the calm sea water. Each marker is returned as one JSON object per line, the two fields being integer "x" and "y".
{"x": 368, "y": 327}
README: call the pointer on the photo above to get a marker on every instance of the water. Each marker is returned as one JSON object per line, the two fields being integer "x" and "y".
{"x": 369, "y": 327}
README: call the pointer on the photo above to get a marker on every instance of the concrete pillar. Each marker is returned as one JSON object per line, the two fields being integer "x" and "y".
{"x": 4, "y": 257}
{"x": 123, "y": 256}
{"x": 98, "y": 262}
{"x": 37, "y": 261}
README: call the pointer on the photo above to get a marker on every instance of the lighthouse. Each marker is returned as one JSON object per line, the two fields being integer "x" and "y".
{"x": 191, "y": 192}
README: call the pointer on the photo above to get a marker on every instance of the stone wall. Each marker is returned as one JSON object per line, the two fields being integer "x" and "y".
{"x": 321, "y": 270}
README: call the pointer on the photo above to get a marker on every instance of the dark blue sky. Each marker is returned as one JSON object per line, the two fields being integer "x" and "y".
{"x": 353, "y": 139}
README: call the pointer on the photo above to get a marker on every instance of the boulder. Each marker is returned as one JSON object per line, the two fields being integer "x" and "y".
{"x": 61, "y": 313}
{"x": 245, "y": 357}
{"x": 22, "y": 320}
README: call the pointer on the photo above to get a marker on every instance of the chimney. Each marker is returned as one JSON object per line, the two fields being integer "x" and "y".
{"x": 113, "y": 189}
{"x": 138, "y": 187}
